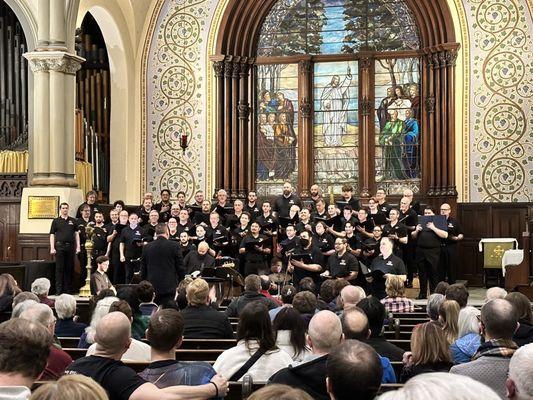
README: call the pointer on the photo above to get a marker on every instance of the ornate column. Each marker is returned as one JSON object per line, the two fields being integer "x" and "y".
{"x": 228, "y": 116}
{"x": 218, "y": 66}
{"x": 305, "y": 130}
{"x": 235, "y": 146}
{"x": 451, "y": 57}
{"x": 366, "y": 125}
{"x": 244, "y": 139}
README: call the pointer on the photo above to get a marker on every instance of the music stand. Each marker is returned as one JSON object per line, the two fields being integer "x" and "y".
{"x": 228, "y": 273}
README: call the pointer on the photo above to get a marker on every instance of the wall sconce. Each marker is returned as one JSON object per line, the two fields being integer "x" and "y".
{"x": 184, "y": 141}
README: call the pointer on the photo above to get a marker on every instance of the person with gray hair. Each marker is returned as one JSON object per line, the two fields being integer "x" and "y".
{"x": 350, "y": 296}
{"x": 433, "y": 305}
{"x": 490, "y": 364}
{"x": 519, "y": 384}
{"x": 101, "y": 309}
{"x": 468, "y": 338}
{"x": 441, "y": 386}
{"x": 324, "y": 333}
{"x": 495, "y": 292}
{"x": 58, "y": 360}
{"x": 23, "y": 296}
{"x": 66, "y": 326}
{"x": 40, "y": 287}
{"x": 20, "y": 307}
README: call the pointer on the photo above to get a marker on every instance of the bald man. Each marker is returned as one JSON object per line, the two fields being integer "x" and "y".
{"x": 449, "y": 254}
{"x": 351, "y": 295}
{"x": 197, "y": 260}
{"x": 325, "y": 332}
{"x": 120, "y": 381}
{"x": 222, "y": 206}
{"x": 285, "y": 201}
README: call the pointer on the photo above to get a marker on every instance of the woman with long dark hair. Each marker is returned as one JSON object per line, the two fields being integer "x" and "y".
{"x": 256, "y": 347}
{"x": 290, "y": 333}
{"x": 8, "y": 289}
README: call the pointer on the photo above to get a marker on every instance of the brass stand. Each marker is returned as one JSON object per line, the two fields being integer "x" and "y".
{"x": 85, "y": 291}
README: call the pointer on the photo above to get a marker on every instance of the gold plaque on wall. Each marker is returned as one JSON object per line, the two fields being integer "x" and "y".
{"x": 43, "y": 207}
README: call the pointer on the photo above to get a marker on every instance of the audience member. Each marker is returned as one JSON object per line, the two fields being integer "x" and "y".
{"x": 396, "y": 301}
{"x": 459, "y": 293}
{"x": 8, "y": 290}
{"x": 23, "y": 296}
{"x": 522, "y": 308}
{"x": 325, "y": 332}
{"x": 519, "y": 384}
{"x": 24, "y": 350}
{"x": 58, "y": 360}
{"x": 66, "y": 326}
{"x": 441, "y": 287}
{"x": 350, "y": 296}
{"x": 181, "y": 293}
{"x": 353, "y": 359}
{"x": 146, "y": 297}
{"x": 252, "y": 292}
{"x": 327, "y": 295}
{"x": 101, "y": 309}
{"x": 441, "y": 386}
{"x": 137, "y": 351}
{"x": 20, "y": 307}
{"x": 256, "y": 353}
{"x": 71, "y": 387}
{"x": 464, "y": 348}
{"x": 495, "y": 292}
{"x": 306, "y": 304}
{"x": 448, "y": 318}
{"x": 490, "y": 364}
{"x": 355, "y": 326}
{"x": 433, "y": 306}
{"x": 266, "y": 286}
{"x": 279, "y": 392}
{"x": 131, "y": 295}
{"x": 165, "y": 334}
{"x": 307, "y": 284}
{"x": 287, "y": 295}
{"x": 99, "y": 279}
{"x": 430, "y": 352}
{"x": 201, "y": 320}
{"x": 113, "y": 336}
{"x": 375, "y": 312}
{"x": 289, "y": 328}
{"x": 40, "y": 287}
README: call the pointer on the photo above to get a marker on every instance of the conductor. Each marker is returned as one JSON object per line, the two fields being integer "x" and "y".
{"x": 162, "y": 265}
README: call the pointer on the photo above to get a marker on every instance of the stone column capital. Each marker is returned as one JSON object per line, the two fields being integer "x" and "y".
{"x": 58, "y": 61}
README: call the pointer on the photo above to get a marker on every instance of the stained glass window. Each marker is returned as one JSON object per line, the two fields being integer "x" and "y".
{"x": 397, "y": 124}
{"x": 335, "y": 93}
{"x": 337, "y": 27}
{"x": 277, "y": 127}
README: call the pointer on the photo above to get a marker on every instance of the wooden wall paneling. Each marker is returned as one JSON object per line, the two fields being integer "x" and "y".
{"x": 235, "y": 135}
{"x": 218, "y": 66}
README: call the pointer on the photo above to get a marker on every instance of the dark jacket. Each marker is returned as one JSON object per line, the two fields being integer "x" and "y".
{"x": 524, "y": 334}
{"x": 162, "y": 265}
{"x": 5, "y": 302}
{"x": 170, "y": 373}
{"x": 236, "y": 306}
{"x": 69, "y": 328}
{"x": 204, "y": 322}
{"x": 309, "y": 376}
{"x": 385, "y": 348}
{"x": 408, "y": 373}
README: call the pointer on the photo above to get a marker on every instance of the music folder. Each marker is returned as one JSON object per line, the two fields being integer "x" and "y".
{"x": 439, "y": 221}
{"x": 303, "y": 257}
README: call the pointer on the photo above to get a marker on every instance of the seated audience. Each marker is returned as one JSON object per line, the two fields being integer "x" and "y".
{"x": 448, "y": 318}
{"x": 327, "y": 295}
{"x": 146, "y": 297}
{"x": 181, "y": 293}
{"x": 350, "y": 296}
{"x": 66, "y": 313}
{"x": 353, "y": 359}
{"x": 8, "y": 290}
{"x": 464, "y": 348}
{"x": 495, "y": 292}
{"x": 137, "y": 351}
{"x": 252, "y": 292}
{"x": 375, "y": 312}
{"x": 522, "y": 308}
{"x": 306, "y": 304}
{"x": 20, "y": 307}
{"x": 71, "y": 387}
{"x": 355, "y": 326}
{"x": 24, "y": 350}
{"x": 459, "y": 293}
{"x": 58, "y": 360}
{"x": 279, "y": 392}
{"x": 441, "y": 287}
{"x": 325, "y": 332}
{"x": 287, "y": 295}
{"x": 490, "y": 364}
{"x": 101, "y": 309}
{"x": 433, "y": 306}
{"x": 165, "y": 334}
{"x": 200, "y": 319}
{"x": 519, "y": 384}
{"x": 113, "y": 336}
{"x": 40, "y": 287}
{"x": 289, "y": 328}
{"x": 266, "y": 286}
{"x": 307, "y": 284}
{"x": 99, "y": 279}
{"x": 430, "y": 352}
{"x": 441, "y": 386}
{"x": 139, "y": 324}
{"x": 396, "y": 301}
{"x": 23, "y": 296}
{"x": 255, "y": 337}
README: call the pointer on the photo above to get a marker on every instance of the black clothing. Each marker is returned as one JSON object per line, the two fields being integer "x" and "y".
{"x": 162, "y": 265}
{"x": 201, "y": 217}
{"x": 69, "y": 328}
{"x": 342, "y": 266}
{"x": 316, "y": 216}
{"x": 223, "y": 210}
{"x": 399, "y": 230}
{"x": 144, "y": 216}
{"x": 300, "y": 226}
{"x": 283, "y": 204}
{"x": 82, "y": 255}
{"x": 352, "y": 202}
{"x": 99, "y": 242}
{"x": 367, "y": 225}
{"x": 254, "y": 211}
{"x": 218, "y": 239}
{"x": 385, "y": 348}
{"x": 408, "y": 373}
{"x": 232, "y": 222}
{"x": 385, "y": 208}
{"x": 116, "y": 271}
{"x": 94, "y": 210}
{"x": 195, "y": 262}
{"x": 204, "y": 322}
{"x": 427, "y": 260}
{"x": 185, "y": 249}
{"x": 316, "y": 258}
{"x": 237, "y": 305}
{"x": 381, "y": 266}
{"x": 5, "y": 302}
{"x": 254, "y": 259}
{"x": 118, "y": 380}
{"x": 132, "y": 239}
{"x": 524, "y": 334}
{"x": 165, "y": 215}
{"x": 188, "y": 227}
{"x": 449, "y": 253}
{"x": 64, "y": 231}
{"x": 410, "y": 220}
{"x": 309, "y": 376}
{"x": 287, "y": 247}
{"x": 167, "y": 373}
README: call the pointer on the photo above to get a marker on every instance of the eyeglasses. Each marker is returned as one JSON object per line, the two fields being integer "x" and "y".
{"x": 445, "y": 209}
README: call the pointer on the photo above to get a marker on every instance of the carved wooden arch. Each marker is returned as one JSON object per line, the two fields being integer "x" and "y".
{"x": 236, "y": 49}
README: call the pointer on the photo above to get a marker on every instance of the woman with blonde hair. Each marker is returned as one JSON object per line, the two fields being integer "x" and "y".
{"x": 71, "y": 387}
{"x": 448, "y": 317}
{"x": 468, "y": 337}
{"x": 430, "y": 352}
{"x": 396, "y": 301}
